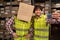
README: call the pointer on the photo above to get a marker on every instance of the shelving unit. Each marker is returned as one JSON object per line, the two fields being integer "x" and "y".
{"x": 7, "y": 10}
{"x": 56, "y": 4}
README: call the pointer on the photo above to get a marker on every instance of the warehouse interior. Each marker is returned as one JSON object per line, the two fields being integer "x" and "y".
{"x": 9, "y": 8}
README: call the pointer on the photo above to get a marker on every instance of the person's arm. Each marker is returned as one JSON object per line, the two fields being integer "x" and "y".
{"x": 14, "y": 29}
{"x": 31, "y": 30}
{"x": 58, "y": 20}
{"x": 48, "y": 19}
{"x": 15, "y": 35}
{"x": 30, "y": 33}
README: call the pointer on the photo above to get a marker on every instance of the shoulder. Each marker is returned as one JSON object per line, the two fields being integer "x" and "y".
{"x": 44, "y": 16}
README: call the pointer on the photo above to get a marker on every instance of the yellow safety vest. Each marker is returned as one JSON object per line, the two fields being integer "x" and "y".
{"x": 41, "y": 30}
{"x": 21, "y": 28}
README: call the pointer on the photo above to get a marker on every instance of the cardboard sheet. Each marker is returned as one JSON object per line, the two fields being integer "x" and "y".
{"x": 25, "y": 12}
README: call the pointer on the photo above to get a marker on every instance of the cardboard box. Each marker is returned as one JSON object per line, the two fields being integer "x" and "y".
{"x": 8, "y": 3}
{"x": 14, "y": 8}
{"x": 2, "y": 11}
{"x": 2, "y": 8}
{"x": 25, "y": 12}
{"x": 27, "y": 1}
{"x": 6, "y": 14}
{"x": 7, "y": 11}
{"x": 15, "y": 3}
{"x": 14, "y": 12}
{"x": 7, "y": 8}
{"x": 1, "y": 4}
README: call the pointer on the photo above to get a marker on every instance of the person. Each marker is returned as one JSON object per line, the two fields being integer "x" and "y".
{"x": 22, "y": 28}
{"x": 55, "y": 26}
{"x": 40, "y": 28}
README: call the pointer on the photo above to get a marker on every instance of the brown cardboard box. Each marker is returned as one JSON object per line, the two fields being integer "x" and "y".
{"x": 2, "y": 11}
{"x": 7, "y": 8}
{"x": 19, "y": 0}
{"x": 7, "y": 11}
{"x": 25, "y": 12}
{"x": 14, "y": 8}
{"x": 8, "y": 3}
{"x": 15, "y": 3}
{"x": 27, "y": 1}
{"x": 2, "y": 8}
{"x": 14, "y": 12}
{"x": 6, "y": 14}
{"x": 1, "y": 4}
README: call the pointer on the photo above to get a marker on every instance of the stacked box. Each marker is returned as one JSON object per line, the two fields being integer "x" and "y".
{"x": 47, "y": 7}
{"x": 6, "y": 11}
{"x": 14, "y": 10}
{"x": 2, "y": 10}
{"x": 1, "y": 4}
{"x": 27, "y": 1}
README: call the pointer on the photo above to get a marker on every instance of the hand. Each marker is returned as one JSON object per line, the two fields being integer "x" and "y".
{"x": 28, "y": 36}
{"x": 49, "y": 21}
{"x": 15, "y": 35}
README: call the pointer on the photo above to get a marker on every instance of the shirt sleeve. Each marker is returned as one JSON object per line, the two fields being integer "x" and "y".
{"x": 31, "y": 30}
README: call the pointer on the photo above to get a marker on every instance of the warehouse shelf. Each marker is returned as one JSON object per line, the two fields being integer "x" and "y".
{"x": 12, "y": 3}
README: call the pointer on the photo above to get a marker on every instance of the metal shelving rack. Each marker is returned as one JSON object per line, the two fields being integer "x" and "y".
{"x": 54, "y": 2}
{"x": 3, "y": 14}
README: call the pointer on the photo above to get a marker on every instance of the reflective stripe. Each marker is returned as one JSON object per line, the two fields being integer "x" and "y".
{"x": 21, "y": 29}
{"x": 41, "y": 36}
{"x": 42, "y": 30}
{"x": 20, "y": 36}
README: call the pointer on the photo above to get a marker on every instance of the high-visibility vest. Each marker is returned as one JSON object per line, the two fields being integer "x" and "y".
{"x": 41, "y": 30}
{"x": 21, "y": 29}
